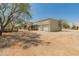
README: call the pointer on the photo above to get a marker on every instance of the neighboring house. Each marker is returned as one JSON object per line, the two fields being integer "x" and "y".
{"x": 47, "y": 25}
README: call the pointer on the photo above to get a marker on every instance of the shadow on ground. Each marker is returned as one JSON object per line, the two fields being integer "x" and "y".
{"x": 24, "y": 40}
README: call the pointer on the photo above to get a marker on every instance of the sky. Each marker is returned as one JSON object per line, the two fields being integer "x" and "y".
{"x": 68, "y": 12}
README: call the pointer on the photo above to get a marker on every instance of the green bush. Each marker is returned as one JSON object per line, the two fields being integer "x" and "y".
{"x": 75, "y": 27}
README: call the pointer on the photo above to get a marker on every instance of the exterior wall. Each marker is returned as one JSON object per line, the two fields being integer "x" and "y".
{"x": 53, "y": 25}
{"x": 42, "y": 24}
{"x": 40, "y": 28}
{"x": 45, "y": 27}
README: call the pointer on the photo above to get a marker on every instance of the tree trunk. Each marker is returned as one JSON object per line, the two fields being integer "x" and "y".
{"x": 0, "y": 33}
{"x": 12, "y": 28}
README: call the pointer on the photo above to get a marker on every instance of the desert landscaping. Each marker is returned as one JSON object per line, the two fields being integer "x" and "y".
{"x": 65, "y": 42}
{"x": 29, "y": 29}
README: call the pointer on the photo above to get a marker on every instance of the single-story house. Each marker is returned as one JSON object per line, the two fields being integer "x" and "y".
{"x": 47, "y": 25}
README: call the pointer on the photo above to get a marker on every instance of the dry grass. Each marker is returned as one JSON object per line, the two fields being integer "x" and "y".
{"x": 52, "y": 43}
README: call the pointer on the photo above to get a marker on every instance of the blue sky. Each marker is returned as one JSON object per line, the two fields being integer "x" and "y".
{"x": 69, "y": 12}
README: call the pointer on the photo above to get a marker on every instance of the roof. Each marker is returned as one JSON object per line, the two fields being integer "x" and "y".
{"x": 46, "y": 19}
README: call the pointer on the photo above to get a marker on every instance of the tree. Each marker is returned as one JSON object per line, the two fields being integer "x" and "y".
{"x": 10, "y": 12}
{"x": 63, "y": 24}
{"x": 75, "y": 27}
{"x": 66, "y": 25}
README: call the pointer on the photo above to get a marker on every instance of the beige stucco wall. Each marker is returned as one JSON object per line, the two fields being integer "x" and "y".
{"x": 53, "y": 26}
{"x": 42, "y": 23}
{"x": 50, "y": 25}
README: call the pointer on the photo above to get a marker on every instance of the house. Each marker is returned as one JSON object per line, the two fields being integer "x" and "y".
{"x": 47, "y": 25}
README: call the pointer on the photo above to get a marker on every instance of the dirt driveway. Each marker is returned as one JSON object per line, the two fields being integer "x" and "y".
{"x": 59, "y": 43}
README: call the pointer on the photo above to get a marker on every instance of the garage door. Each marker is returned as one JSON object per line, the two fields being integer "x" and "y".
{"x": 45, "y": 28}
